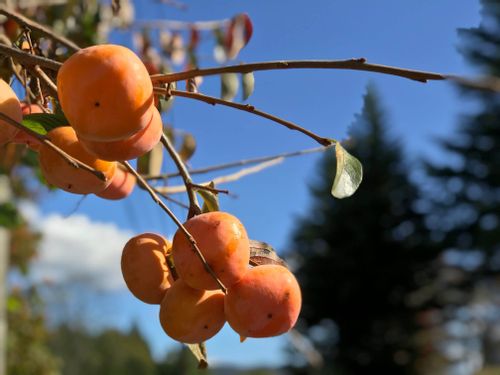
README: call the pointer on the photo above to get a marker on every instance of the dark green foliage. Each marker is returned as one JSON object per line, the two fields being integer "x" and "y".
{"x": 110, "y": 352}
{"x": 357, "y": 257}
{"x": 466, "y": 205}
{"x": 27, "y": 352}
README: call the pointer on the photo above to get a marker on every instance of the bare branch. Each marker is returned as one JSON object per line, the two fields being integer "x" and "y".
{"x": 239, "y": 163}
{"x": 35, "y": 26}
{"x": 27, "y": 59}
{"x": 224, "y": 179}
{"x": 43, "y": 139}
{"x": 188, "y": 235}
{"x": 247, "y": 108}
{"x": 489, "y": 83}
{"x": 46, "y": 79}
{"x": 351, "y": 64}
{"x": 194, "y": 207}
{"x": 182, "y": 25}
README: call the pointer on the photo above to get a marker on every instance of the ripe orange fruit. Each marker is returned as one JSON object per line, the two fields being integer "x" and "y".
{"x": 141, "y": 142}
{"x": 191, "y": 315}
{"x": 265, "y": 302}
{"x": 9, "y": 106}
{"x": 105, "y": 92}
{"x": 60, "y": 173}
{"x": 223, "y": 241}
{"x": 144, "y": 267}
{"x": 23, "y": 137}
{"x": 121, "y": 186}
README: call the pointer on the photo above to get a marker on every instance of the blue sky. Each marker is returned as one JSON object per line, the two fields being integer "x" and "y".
{"x": 412, "y": 34}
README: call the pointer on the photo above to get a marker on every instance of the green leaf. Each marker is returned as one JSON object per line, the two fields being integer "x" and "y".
{"x": 200, "y": 353}
{"x": 9, "y": 216}
{"x": 248, "y": 84}
{"x": 13, "y": 304}
{"x": 42, "y": 123}
{"x": 210, "y": 199}
{"x": 229, "y": 86}
{"x": 188, "y": 147}
{"x": 151, "y": 162}
{"x": 348, "y": 175}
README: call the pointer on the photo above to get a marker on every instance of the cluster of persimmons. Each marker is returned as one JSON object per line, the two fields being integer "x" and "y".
{"x": 107, "y": 97}
{"x": 261, "y": 301}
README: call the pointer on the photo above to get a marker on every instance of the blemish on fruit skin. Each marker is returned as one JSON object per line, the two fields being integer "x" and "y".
{"x": 269, "y": 316}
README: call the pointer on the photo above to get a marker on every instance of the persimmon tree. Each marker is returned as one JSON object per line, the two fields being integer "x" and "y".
{"x": 82, "y": 148}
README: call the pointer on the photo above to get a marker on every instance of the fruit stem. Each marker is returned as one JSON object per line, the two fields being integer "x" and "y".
{"x": 177, "y": 222}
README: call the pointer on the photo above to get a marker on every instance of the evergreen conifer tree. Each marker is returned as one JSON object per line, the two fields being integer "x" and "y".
{"x": 357, "y": 258}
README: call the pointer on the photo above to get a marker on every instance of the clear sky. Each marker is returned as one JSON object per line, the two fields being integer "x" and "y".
{"x": 412, "y": 34}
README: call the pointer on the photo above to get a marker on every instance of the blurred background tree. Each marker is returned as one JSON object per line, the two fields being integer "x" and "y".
{"x": 357, "y": 258}
{"x": 462, "y": 322}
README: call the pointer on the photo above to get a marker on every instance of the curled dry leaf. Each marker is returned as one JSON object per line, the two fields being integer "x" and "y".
{"x": 262, "y": 253}
{"x": 238, "y": 34}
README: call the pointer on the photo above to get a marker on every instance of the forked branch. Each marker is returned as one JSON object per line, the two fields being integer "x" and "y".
{"x": 177, "y": 222}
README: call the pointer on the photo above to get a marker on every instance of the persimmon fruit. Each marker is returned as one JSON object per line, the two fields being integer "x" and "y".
{"x": 132, "y": 147}
{"x": 58, "y": 172}
{"x": 222, "y": 240}
{"x": 265, "y": 302}
{"x": 24, "y": 138}
{"x": 10, "y": 106}
{"x": 191, "y": 315}
{"x": 144, "y": 267}
{"x": 121, "y": 186}
{"x": 105, "y": 92}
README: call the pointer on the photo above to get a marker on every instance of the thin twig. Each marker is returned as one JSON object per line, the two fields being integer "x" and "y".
{"x": 239, "y": 163}
{"x": 174, "y": 4}
{"x": 351, "y": 64}
{"x": 188, "y": 235}
{"x": 35, "y": 26}
{"x": 194, "y": 207}
{"x": 224, "y": 179}
{"x": 247, "y": 108}
{"x": 27, "y": 59}
{"x": 43, "y": 139}
{"x": 46, "y": 79}
{"x": 489, "y": 83}
{"x": 209, "y": 188}
{"x": 182, "y": 25}
{"x": 170, "y": 199}
{"x": 27, "y": 35}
